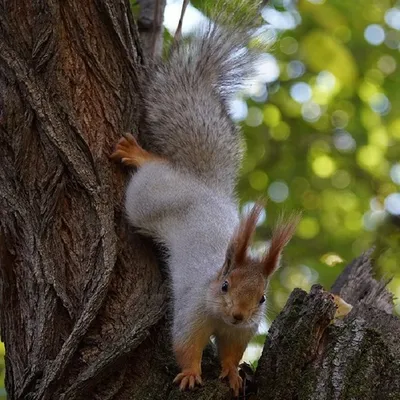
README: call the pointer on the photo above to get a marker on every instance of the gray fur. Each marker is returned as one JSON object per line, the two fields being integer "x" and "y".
{"x": 196, "y": 225}
{"x": 186, "y": 116}
{"x": 189, "y": 204}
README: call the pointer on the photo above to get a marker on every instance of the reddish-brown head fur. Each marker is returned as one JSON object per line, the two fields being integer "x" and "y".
{"x": 244, "y": 234}
{"x": 243, "y": 279}
{"x": 239, "y": 248}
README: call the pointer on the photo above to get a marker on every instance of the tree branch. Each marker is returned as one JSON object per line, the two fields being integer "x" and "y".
{"x": 150, "y": 23}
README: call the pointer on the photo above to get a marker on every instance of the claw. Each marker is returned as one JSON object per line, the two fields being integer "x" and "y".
{"x": 129, "y": 137}
{"x": 234, "y": 379}
{"x": 129, "y": 152}
{"x": 188, "y": 379}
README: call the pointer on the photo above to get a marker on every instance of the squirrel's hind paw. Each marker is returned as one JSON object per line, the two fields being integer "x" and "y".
{"x": 235, "y": 380}
{"x": 188, "y": 379}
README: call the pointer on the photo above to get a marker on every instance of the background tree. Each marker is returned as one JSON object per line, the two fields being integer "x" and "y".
{"x": 83, "y": 299}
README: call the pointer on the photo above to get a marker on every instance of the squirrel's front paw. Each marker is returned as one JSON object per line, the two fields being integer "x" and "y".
{"x": 235, "y": 381}
{"x": 187, "y": 379}
{"x": 127, "y": 151}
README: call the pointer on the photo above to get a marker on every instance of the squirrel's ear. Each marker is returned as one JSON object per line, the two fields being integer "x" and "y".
{"x": 281, "y": 235}
{"x": 244, "y": 234}
{"x": 226, "y": 268}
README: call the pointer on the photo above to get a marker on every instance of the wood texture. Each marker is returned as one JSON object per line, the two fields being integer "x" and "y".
{"x": 83, "y": 300}
{"x": 151, "y": 29}
{"x": 78, "y": 288}
{"x": 307, "y": 356}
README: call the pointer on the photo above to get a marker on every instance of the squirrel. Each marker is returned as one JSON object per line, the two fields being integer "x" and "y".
{"x": 183, "y": 195}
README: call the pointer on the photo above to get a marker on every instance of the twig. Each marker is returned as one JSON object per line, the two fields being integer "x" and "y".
{"x": 157, "y": 22}
{"x": 178, "y": 33}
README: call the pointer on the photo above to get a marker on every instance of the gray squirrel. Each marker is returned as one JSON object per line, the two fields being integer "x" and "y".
{"x": 183, "y": 196}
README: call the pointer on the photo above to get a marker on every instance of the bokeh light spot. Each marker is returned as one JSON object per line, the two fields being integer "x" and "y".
{"x": 323, "y": 166}
{"x": 392, "y": 18}
{"x": 311, "y": 111}
{"x": 379, "y": 137}
{"x": 394, "y": 128}
{"x": 395, "y": 173}
{"x": 267, "y": 69}
{"x": 372, "y": 219}
{"x": 326, "y": 81}
{"x": 272, "y": 115}
{"x": 289, "y": 45}
{"x": 380, "y": 103}
{"x": 387, "y": 64}
{"x": 340, "y": 119}
{"x": 348, "y": 201}
{"x": 254, "y": 117}
{"x": 331, "y": 259}
{"x": 295, "y": 69}
{"x": 369, "y": 156}
{"x": 344, "y": 141}
{"x": 279, "y": 20}
{"x": 301, "y": 92}
{"x": 238, "y": 109}
{"x": 374, "y": 34}
{"x": 367, "y": 90}
{"x": 341, "y": 179}
{"x": 258, "y": 180}
{"x": 308, "y": 228}
{"x": 392, "y": 203}
{"x": 281, "y": 131}
{"x": 278, "y": 191}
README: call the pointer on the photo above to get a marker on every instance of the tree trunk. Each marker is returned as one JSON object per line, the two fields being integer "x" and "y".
{"x": 79, "y": 289}
{"x": 83, "y": 299}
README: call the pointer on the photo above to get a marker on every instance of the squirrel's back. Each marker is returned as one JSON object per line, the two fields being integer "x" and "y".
{"x": 186, "y": 115}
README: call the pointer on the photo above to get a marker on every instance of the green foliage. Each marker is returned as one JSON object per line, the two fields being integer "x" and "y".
{"x": 248, "y": 8}
{"x": 327, "y": 140}
{"x": 235, "y": 13}
{"x": 135, "y": 8}
{"x": 332, "y": 152}
{"x": 323, "y": 136}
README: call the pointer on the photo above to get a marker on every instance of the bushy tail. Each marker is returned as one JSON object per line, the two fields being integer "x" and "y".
{"x": 220, "y": 53}
{"x": 186, "y": 97}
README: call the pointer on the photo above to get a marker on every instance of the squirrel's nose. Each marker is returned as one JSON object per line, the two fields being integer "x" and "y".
{"x": 238, "y": 317}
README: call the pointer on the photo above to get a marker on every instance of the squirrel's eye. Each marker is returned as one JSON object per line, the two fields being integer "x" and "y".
{"x": 225, "y": 286}
{"x": 262, "y": 299}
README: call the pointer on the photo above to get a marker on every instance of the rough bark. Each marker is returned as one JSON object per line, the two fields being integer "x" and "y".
{"x": 150, "y": 24}
{"x": 309, "y": 356}
{"x": 83, "y": 300}
{"x": 78, "y": 289}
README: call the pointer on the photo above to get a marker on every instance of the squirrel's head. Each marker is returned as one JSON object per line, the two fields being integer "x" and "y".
{"x": 237, "y": 295}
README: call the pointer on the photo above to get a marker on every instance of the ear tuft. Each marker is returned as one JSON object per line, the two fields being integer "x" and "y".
{"x": 281, "y": 235}
{"x": 245, "y": 233}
